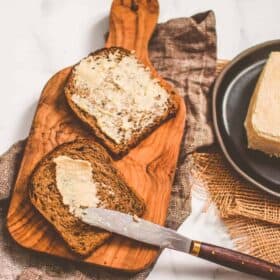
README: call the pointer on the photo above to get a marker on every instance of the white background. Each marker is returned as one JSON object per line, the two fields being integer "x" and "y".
{"x": 40, "y": 37}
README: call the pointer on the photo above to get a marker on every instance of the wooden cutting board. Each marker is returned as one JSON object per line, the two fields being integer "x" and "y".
{"x": 149, "y": 167}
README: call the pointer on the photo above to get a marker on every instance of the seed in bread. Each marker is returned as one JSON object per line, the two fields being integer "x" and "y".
{"x": 118, "y": 97}
{"x": 73, "y": 176}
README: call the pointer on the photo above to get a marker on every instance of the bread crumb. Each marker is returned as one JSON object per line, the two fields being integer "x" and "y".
{"x": 136, "y": 218}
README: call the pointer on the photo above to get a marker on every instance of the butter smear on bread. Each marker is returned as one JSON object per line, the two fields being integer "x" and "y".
{"x": 120, "y": 93}
{"x": 263, "y": 118}
{"x": 75, "y": 184}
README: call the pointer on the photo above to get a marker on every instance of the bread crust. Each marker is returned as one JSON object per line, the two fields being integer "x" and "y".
{"x": 115, "y": 149}
{"x": 46, "y": 198}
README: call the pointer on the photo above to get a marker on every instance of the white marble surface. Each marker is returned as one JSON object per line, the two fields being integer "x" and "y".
{"x": 200, "y": 225}
{"x": 39, "y": 37}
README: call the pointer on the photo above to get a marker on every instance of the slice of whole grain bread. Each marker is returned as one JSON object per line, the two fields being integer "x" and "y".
{"x": 89, "y": 88}
{"x": 114, "y": 194}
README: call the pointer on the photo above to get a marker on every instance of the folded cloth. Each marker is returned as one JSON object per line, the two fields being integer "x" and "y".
{"x": 184, "y": 52}
{"x": 9, "y": 164}
{"x": 233, "y": 195}
{"x": 251, "y": 215}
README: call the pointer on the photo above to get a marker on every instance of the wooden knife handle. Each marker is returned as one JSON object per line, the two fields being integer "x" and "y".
{"x": 235, "y": 260}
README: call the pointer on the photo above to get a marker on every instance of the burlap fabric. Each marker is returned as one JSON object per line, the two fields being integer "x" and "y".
{"x": 252, "y": 216}
{"x": 184, "y": 53}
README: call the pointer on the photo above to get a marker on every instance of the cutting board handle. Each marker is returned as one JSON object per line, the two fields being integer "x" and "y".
{"x": 132, "y": 23}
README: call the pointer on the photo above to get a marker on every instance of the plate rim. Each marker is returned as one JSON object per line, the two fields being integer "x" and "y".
{"x": 219, "y": 137}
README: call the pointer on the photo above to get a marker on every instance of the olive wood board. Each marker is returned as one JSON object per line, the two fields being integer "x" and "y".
{"x": 149, "y": 168}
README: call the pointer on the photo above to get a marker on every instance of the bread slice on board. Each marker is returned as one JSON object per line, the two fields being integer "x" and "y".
{"x": 112, "y": 193}
{"x": 118, "y": 97}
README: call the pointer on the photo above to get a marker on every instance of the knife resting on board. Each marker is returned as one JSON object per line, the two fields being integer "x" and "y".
{"x": 153, "y": 234}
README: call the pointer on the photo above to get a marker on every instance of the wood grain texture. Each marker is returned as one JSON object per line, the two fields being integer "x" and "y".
{"x": 236, "y": 260}
{"x": 149, "y": 167}
{"x": 132, "y": 24}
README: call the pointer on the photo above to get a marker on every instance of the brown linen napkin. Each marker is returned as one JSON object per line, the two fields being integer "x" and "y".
{"x": 184, "y": 52}
{"x": 9, "y": 164}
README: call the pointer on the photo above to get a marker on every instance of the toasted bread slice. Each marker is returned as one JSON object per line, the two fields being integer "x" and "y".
{"x": 118, "y": 97}
{"x": 49, "y": 192}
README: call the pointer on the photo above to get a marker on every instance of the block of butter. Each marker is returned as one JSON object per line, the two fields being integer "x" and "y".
{"x": 262, "y": 122}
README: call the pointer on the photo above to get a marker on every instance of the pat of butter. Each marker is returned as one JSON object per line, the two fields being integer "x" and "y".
{"x": 263, "y": 118}
{"x": 75, "y": 183}
{"x": 120, "y": 94}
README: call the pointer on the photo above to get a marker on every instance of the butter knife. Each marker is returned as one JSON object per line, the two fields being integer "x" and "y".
{"x": 153, "y": 234}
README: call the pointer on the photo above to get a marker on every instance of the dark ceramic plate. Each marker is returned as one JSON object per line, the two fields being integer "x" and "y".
{"x": 231, "y": 95}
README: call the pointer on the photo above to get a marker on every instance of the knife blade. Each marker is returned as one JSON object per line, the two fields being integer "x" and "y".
{"x": 154, "y": 234}
{"x": 135, "y": 228}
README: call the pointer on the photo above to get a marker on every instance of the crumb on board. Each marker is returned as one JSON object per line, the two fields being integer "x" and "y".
{"x": 136, "y": 218}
